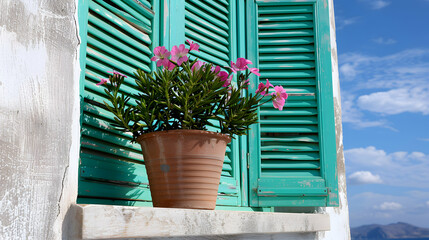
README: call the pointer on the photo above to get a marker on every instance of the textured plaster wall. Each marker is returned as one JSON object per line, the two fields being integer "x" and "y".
{"x": 38, "y": 133}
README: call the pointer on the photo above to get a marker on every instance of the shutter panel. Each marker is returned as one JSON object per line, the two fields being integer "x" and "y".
{"x": 210, "y": 24}
{"x": 293, "y": 154}
{"x": 119, "y": 37}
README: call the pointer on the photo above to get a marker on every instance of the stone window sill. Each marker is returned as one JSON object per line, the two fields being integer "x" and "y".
{"x": 106, "y": 222}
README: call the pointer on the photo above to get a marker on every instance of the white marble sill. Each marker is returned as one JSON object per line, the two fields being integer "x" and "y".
{"x": 107, "y": 222}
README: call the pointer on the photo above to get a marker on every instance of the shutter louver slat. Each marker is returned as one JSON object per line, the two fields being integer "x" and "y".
{"x": 291, "y": 165}
{"x": 287, "y": 49}
{"x": 212, "y": 20}
{"x": 112, "y": 62}
{"x": 117, "y": 22}
{"x": 143, "y": 24}
{"x": 144, "y": 16}
{"x": 138, "y": 53}
{"x": 118, "y": 55}
{"x": 118, "y": 39}
{"x": 112, "y": 149}
{"x": 210, "y": 9}
{"x": 284, "y": 10}
{"x": 209, "y": 50}
{"x": 287, "y": 57}
{"x": 206, "y": 24}
{"x": 201, "y": 38}
{"x": 288, "y": 17}
{"x": 289, "y": 33}
{"x": 206, "y": 33}
{"x": 109, "y": 34}
{"x": 142, "y": 6}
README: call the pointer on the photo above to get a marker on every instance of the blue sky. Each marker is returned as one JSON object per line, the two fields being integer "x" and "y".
{"x": 383, "y": 48}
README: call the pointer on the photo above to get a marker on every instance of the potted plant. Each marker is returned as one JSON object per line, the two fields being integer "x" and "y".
{"x": 173, "y": 108}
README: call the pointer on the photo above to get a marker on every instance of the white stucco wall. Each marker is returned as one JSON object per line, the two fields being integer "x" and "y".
{"x": 39, "y": 124}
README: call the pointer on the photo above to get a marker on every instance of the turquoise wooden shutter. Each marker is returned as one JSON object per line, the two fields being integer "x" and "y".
{"x": 293, "y": 153}
{"x": 210, "y": 24}
{"x": 120, "y": 35}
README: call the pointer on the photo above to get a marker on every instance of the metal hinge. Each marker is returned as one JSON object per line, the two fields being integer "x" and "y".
{"x": 248, "y": 160}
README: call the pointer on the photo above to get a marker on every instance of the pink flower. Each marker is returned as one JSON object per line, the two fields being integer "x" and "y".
{"x": 179, "y": 54}
{"x": 193, "y": 46}
{"x": 117, "y": 73}
{"x": 161, "y": 56}
{"x": 241, "y": 64}
{"x": 215, "y": 69}
{"x": 197, "y": 65}
{"x": 255, "y": 71}
{"x": 169, "y": 66}
{"x": 223, "y": 76}
{"x": 263, "y": 88}
{"x": 280, "y": 97}
{"x": 278, "y": 103}
{"x": 227, "y": 82}
{"x": 102, "y": 81}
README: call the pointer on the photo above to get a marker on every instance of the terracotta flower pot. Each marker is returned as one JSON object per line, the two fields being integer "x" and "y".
{"x": 184, "y": 167}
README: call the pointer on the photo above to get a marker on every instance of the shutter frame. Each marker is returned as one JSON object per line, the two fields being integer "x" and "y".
{"x": 268, "y": 191}
{"x": 326, "y": 110}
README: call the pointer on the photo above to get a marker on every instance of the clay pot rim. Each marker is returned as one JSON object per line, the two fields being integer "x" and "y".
{"x": 219, "y": 136}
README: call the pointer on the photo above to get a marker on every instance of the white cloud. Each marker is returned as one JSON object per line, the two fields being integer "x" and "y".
{"x": 427, "y": 203}
{"x": 398, "y": 82}
{"x": 369, "y": 156}
{"x": 352, "y": 114}
{"x": 377, "y": 4}
{"x": 385, "y": 41}
{"x": 394, "y": 70}
{"x": 418, "y": 156}
{"x": 341, "y": 22}
{"x": 389, "y": 206}
{"x": 348, "y": 70}
{"x": 425, "y": 139}
{"x": 397, "y": 101}
{"x": 395, "y": 169}
{"x": 364, "y": 177}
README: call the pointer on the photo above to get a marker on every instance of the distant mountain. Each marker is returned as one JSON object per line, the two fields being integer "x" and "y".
{"x": 398, "y": 230}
